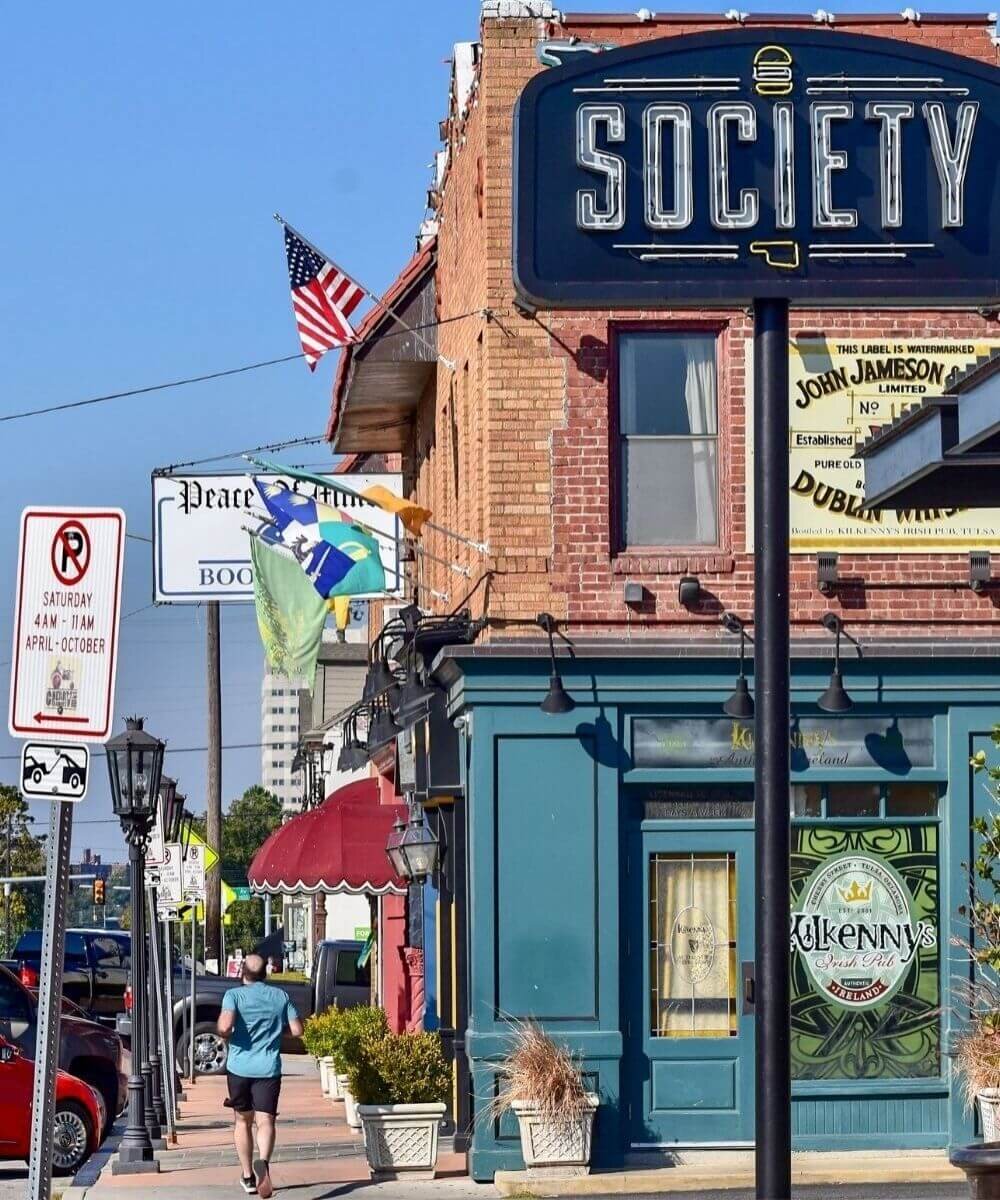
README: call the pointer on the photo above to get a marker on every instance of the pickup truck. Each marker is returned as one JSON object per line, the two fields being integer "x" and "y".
{"x": 337, "y": 979}
{"x": 95, "y": 968}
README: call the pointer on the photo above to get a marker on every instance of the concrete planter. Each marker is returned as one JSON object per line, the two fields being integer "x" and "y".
{"x": 555, "y": 1148}
{"x": 324, "y": 1075}
{"x": 988, "y": 1101}
{"x": 981, "y": 1165}
{"x": 401, "y": 1140}
{"x": 332, "y": 1088}
{"x": 343, "y": 1086}
{"x": 350, "y": 1109}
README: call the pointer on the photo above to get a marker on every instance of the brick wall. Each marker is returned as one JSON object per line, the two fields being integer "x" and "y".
{"x": 513, "y": 444}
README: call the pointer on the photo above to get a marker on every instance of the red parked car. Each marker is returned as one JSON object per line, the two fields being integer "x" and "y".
{"x": 80, "y": 1114}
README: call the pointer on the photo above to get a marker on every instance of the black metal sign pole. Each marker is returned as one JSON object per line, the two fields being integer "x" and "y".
{"x": 771, "y": 770}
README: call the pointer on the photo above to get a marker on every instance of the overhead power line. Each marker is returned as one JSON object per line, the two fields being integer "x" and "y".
{"x": 268, "y": 362}
{"x": 177, "y": 749}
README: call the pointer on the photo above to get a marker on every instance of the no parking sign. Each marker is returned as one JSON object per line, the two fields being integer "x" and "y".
{"x": 67, "y": 607}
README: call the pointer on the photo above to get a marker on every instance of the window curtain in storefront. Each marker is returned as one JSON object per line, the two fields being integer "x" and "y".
{"x": 694, "y": 919}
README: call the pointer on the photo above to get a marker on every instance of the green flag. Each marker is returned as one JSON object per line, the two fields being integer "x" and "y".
{"x": 290, "y": 613}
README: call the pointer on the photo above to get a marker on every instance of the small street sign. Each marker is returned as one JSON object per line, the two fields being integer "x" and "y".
{"x": 194, "y": 872}
{"x": 67, "y": 610}
{"x": 242, "y": 893}
{"x": 362, "y": 933}
{"x": 170, "y": 889}
{"x": 211, "y": 858}
{"x": 54, "y": 771}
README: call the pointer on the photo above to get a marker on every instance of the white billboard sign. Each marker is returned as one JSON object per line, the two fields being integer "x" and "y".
{"x": 66, "y": 615}
{"x": 201, "y": 548}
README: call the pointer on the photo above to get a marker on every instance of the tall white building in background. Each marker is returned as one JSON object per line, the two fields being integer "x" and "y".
{"x": 280, "y": 726}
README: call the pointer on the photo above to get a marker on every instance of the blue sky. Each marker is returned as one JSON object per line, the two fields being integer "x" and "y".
{"x": 145, "y": 150}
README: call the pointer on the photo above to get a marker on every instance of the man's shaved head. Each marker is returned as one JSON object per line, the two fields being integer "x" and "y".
{"x": 254, "y": 968}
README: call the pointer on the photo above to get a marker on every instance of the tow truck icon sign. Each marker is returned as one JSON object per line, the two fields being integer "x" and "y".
{"x": 51, "y": 771}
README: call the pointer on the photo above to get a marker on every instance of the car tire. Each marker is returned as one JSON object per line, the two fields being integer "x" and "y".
{"x": 210, "y": 1050}
{"x": 72, "y": 1137}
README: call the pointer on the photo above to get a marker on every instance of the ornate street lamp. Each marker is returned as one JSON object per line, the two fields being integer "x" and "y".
{"x": 135, "y": 765}
{"x": 172, "y": 806}
{"x": 413, "y": 849}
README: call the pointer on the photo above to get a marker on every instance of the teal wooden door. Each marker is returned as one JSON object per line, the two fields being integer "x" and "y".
{"x": 690, "y": 1042}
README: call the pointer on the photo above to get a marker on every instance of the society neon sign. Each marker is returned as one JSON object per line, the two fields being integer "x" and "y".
{"x": 822, "y": 167}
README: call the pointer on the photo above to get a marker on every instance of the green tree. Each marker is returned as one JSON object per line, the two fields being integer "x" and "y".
{"x": 22, "y": 852}
{"x": 246, "y": 826}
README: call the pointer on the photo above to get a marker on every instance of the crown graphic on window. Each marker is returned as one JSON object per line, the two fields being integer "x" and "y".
{"x": 857, "y": 893}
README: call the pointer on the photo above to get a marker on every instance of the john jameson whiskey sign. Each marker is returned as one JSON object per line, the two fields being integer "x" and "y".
{"x": 799, "y": 163}
{"x": 841, "y": 389}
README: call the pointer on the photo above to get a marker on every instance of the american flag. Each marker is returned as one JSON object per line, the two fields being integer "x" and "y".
{"x": 323, "y": 298}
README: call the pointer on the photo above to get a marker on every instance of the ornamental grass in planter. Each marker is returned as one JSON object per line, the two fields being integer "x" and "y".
{"x": 542, "y": 1084}
{"x": 977, "y": 1051}
{"x": 401, "y": 1082}
{"x": 349, "y": 1030}
{"x": 977, "y": 1055}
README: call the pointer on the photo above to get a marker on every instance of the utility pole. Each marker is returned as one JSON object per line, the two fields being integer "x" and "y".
{"x": 213, "y": 824}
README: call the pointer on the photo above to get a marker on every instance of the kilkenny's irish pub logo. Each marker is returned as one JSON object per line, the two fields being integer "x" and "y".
{"x": 856, "y": 930}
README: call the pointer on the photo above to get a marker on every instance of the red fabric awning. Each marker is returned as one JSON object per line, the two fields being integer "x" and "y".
{"x": 337, "y": 847}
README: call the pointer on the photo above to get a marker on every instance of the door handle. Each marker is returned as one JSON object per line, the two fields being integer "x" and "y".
{"x": 749, "y": 988}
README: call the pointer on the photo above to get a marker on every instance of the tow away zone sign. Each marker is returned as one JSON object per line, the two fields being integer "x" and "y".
{"x": 66, "y": 616}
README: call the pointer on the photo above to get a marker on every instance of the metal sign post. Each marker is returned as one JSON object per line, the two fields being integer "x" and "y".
{"x": 194, "y": 992}
{"x": 160, "y": 1018}
{"x": 43, "y": 1108}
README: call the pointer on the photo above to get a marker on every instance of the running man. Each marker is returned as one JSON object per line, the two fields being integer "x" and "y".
{"x": 253, "y": 1018}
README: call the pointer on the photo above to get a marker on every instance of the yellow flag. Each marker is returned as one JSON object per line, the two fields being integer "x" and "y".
{"x": 412, "y": 515}
{"x": 340, "y": 606}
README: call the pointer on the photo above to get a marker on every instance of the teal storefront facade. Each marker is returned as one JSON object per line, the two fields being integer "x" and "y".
{"x": 610, "y": 888}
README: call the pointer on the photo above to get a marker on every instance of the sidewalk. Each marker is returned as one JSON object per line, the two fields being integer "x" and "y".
{"x": 316, "y": 1154}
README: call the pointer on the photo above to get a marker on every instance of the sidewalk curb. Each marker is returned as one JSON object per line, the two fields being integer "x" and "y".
{"x": 682, "y": 1180}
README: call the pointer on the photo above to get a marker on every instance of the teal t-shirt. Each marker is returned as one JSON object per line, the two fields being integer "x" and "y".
{"x": 262, "y": 1012}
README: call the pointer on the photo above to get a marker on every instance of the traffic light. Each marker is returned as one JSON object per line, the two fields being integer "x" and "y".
{"x": 99, "y": 897}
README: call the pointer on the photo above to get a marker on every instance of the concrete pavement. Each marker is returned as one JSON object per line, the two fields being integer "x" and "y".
{"x": 316, "y": 1154}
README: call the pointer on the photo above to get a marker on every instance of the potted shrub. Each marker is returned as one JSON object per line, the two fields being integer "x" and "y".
{"x": 543, "y": 1086}
{"x": 316, "y": 1037}
{"x": 400, "y": 1082}
{"x": 349, "y": 1029}
{"x": 977, "y": 1050}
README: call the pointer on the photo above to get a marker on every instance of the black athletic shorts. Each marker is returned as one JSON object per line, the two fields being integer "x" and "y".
{"x": 253, "y": 1095}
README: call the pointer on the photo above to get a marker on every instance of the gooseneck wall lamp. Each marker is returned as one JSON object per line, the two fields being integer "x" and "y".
{"x": 740, "y": 703}
{"x": 557, "y": 699}
{"x": 835, "y": 699}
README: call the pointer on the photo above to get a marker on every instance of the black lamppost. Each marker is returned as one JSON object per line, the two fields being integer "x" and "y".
{"x": 135, "y": 764}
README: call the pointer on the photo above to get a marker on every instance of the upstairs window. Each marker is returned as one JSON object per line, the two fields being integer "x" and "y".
{"x": 668, "y": 430}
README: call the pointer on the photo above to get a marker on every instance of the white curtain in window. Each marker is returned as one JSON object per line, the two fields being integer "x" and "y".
{"x": 699, "y": 396}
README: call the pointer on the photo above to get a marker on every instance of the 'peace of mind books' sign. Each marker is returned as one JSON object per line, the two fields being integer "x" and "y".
{"x": 800, "y": 163}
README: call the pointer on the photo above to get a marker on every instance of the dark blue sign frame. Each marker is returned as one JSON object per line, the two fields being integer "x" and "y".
{"x": 804, "y": 164}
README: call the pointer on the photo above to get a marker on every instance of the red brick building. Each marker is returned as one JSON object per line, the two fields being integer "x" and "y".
{"x": 603, "y": 457}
